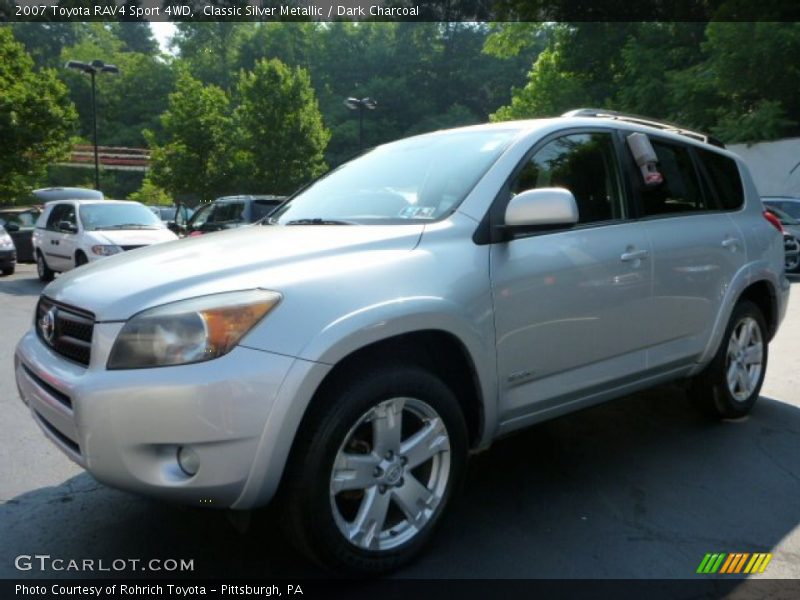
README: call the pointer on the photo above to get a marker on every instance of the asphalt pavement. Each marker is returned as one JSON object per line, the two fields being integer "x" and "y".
{"x": 642, "y": 487}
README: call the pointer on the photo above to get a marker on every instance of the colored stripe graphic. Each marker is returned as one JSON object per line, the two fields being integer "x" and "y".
{"x": 726, "y": 565}
{"x": 723, "y": 563}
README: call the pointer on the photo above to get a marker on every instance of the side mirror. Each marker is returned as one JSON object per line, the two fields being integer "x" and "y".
{"x": 542, "y": 207}
{"x": 12, "y": 227}
{"x": 67, "y": 226}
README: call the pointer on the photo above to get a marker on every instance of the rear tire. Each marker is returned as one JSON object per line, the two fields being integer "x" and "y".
{"x": 730, "y": 384}
{"x": 360, "y": 496}
{"x": 46, "y": 274}
{"x": 8, "y": 271}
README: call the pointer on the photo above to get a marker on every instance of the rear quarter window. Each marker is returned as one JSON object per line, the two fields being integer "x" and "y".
{"x": 725, "y": 179}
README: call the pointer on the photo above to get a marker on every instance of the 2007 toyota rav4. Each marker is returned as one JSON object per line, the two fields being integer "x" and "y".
{"x": 411, "y": 306}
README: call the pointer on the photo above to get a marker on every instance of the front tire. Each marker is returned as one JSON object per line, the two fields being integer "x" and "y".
{"x": 374, "y": 467}
{"x": 46, "y": 274}
{"x": 80, "y": 259}
{"x": 730, "y": 384}
{"x": 8, "y": 271}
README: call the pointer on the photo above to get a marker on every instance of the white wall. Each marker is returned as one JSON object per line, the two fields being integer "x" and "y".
{"x": 775, "y": 166}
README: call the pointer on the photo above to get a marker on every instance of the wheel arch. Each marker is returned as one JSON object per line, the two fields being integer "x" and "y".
{"x": 753, "y": 283}
{"x": 438, "y": 351}
{"x": 442, "y": 351}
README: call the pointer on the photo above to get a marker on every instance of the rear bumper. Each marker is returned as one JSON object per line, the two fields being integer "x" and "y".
{"x": 125, "y": 427}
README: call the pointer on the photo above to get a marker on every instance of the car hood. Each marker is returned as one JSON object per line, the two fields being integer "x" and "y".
{"x": 270, "y": 257}
{"x": 132, "y": 237}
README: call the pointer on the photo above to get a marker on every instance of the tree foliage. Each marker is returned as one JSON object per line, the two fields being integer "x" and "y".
{"x": 281, "y": 138}
{"x": 195, "y": 159}
{"x": 36, "y": 119}
{"x": 733, "y": 79}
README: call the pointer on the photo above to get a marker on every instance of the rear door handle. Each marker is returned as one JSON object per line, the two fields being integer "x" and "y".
{"x": 631, "y": 255}
{"x": 731, "y": 243}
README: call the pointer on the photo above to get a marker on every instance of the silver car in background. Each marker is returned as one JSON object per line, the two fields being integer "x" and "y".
{"x": 438, "y": 292}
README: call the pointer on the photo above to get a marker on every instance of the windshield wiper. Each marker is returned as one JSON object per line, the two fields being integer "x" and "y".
{"x": 320, "y": 222}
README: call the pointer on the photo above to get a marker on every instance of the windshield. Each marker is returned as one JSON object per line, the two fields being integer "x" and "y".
{"x": 417, "y": 179}
{"x": 118, "y": 216}
{"x": 789, "y": 208}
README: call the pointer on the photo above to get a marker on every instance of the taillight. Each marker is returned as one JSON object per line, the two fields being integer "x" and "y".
{"x": 774, "y": 221}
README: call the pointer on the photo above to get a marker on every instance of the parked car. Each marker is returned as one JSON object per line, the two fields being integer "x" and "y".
{"x": 20, "y": 223}
{"x": 787, "y": 204}
{"x": 791, "y": 229}
{"x": 791, "y": 246}
{"x": 413, "y": 305}
{"x": 175, "y": 217}
{"x": 8, "y": 253}
{"x": 230, "y": 212}
{"x": 71, "y": 233}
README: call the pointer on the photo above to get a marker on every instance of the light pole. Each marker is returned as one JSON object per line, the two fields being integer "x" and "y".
{"x": 93, "y": 68}
{"x": 361, "y": 105}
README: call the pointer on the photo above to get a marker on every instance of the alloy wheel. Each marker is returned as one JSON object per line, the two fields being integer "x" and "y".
{"x": 745, "y": 359}
{"x": 390, "y": 474}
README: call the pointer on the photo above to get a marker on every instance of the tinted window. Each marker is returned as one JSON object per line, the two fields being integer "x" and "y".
{"x": 226, "y": 212}
{"x": 585, "y": 165}
{"x": 724, "y": 176}
{"x": 61, "y": 212}
{"x": 680, "y": 191}
{"x": 261, "y": 208}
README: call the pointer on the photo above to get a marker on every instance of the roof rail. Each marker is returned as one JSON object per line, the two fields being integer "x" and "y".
{"x": 639, "y": 120}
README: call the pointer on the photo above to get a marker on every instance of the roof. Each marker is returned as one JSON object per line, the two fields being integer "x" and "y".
{"x": 66, "y": 193}
{"x": 92, "y": 201}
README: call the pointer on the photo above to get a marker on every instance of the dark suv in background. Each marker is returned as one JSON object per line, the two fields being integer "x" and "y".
{"x": 229, "y": 212}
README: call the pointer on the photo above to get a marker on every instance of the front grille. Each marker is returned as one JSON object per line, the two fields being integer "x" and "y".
{"x": 65, "y": 329}
{"x": 126, "y": 248}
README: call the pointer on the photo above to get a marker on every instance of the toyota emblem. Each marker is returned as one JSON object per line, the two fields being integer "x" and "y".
{"x": 47, "y": 325}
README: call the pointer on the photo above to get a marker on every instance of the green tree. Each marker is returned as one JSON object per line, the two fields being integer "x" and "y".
{"x": 36, "y": 119}
{"x": 127, "y": 103}
{"x": 210, "y": 50}
{"x": 196, "y": 157}
{"x": 150, "y": 193}
{"x": 279, "y": 129}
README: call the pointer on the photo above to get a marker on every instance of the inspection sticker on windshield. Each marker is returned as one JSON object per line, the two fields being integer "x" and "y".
{"x": 417, "y": 212}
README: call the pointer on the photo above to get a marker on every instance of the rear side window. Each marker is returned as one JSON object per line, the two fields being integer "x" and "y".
{"x": 724, "y": 176}
{"x": 680, "y": 192}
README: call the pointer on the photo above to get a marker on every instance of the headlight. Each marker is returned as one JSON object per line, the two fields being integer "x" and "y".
{"x": 6, "y": 243}
{"x": 189, "y": 331}
{"x": 106, "y": 250}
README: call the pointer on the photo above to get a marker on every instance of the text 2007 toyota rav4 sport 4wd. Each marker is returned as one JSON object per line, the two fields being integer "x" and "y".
{"x": 411, "y": 306}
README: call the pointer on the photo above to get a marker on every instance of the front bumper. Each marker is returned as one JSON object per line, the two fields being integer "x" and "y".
{"x": 125, "y": 427}
{"x": 8, "y": 259}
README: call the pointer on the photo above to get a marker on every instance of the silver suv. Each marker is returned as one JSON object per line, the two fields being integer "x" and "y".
{"x": 346, "y": 356}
